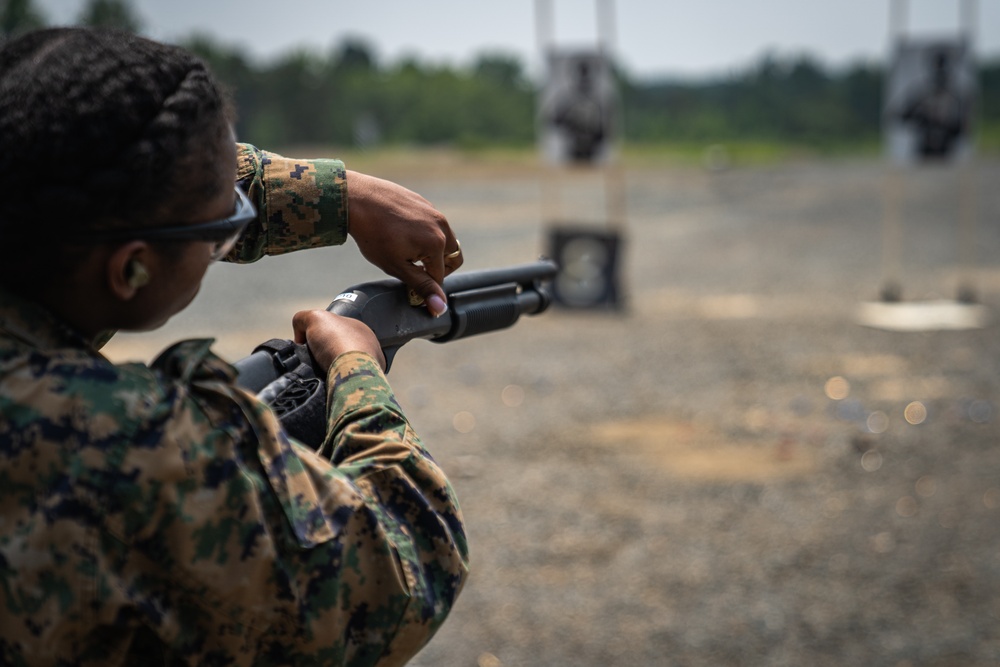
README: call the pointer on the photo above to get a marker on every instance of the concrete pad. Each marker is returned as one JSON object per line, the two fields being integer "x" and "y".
{"x": 923, "y": 315}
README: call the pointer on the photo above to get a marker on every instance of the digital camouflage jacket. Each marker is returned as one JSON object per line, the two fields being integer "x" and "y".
{"x": 301, "y": 203}
{"x": 159, "y": 515}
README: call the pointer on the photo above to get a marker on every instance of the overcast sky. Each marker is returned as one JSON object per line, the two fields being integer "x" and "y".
{"x": 649, "y": 37}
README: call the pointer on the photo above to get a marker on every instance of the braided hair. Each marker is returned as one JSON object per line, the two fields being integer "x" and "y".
{"x": 99, "y": 128}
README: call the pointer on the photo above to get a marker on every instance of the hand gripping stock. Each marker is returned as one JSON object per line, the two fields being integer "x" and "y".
{"x": 283, "y": 374}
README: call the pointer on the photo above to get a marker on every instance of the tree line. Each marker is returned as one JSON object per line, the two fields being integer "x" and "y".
{"x": 346, "y": 97}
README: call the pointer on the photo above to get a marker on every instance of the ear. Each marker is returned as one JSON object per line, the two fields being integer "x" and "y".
{"x": 127, "y": 269}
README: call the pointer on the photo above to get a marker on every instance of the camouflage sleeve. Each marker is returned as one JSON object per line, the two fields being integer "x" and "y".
{"x": 301, "y": 203}
{"x": 405, "y": 555}
{"x": 372, "y": 443}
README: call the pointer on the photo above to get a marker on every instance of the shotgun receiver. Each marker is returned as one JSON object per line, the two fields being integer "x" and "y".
{"x": 284, "y": 375}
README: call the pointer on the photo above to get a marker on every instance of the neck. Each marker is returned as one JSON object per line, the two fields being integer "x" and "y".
{"x": 78, "y": 308}
{"x": 75, "y": 296}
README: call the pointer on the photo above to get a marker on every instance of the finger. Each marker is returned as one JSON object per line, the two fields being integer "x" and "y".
{"x": 453, "y": 259}
{"x": 300, "y": 322}
{"x": 450, "y": 241}
{"x": 425, "y": 288}
{"x": 434, "y": 267}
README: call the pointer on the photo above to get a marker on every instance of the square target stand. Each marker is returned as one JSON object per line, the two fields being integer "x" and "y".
{"x": 579, "y": 120}
{"x": 588, "y": 249}
{"x": 891, "y": 311}
{"x": 589, "y": 264}
{"x": 928, "y": 109}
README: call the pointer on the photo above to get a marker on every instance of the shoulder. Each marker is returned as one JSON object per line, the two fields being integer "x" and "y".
{"x": 78, "y": 395}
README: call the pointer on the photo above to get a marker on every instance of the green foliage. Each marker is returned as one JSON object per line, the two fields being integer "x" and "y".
{"x": 989, "y": 96}
{"x": 794, "y": 101}
{"x": 110, "y": 14}
{"x": 347, "y": 98}
{"x": 17, "y": 16}
{"x": 355, "y": 54}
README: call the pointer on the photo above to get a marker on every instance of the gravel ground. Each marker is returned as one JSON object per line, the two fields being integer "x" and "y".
{"x": 731, "y": 470}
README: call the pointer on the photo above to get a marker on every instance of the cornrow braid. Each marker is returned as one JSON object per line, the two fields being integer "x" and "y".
{"x": 97, "y": 125}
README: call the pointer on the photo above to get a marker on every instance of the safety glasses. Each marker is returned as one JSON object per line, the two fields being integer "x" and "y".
{"x": 222, "y": 233}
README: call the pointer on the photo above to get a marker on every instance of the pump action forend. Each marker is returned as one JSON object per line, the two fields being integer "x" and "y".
{"x": 478, "y": 302}
{"x": 284, "y": 375}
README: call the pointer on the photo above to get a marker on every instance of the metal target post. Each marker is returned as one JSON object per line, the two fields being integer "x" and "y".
{"x": 578, "y": 122}
{"x": 892, "y": 228}
{"x": 968, "y": 211}
{"x": 613, "y": 171}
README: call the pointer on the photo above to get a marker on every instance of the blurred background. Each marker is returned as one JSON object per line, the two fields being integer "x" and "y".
{"x": 770, "y": 437}
{"x": 771, "y": 75}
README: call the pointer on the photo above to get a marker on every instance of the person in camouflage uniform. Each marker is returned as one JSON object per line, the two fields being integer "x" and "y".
{"x": 159, "y": 514}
